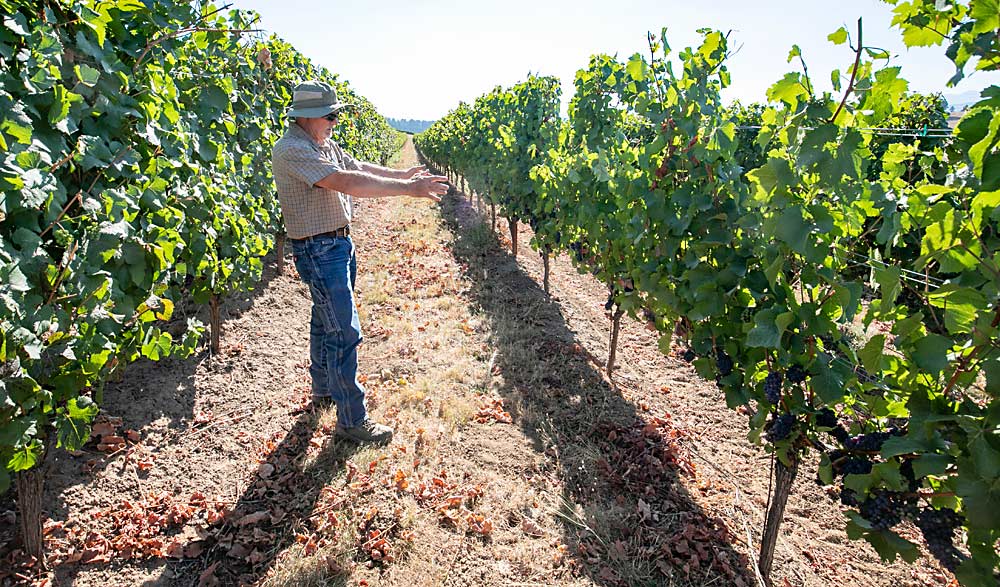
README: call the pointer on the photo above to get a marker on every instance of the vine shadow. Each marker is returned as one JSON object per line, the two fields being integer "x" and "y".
{"x": 272, "y": 514}
{"x": 626, "y": 512}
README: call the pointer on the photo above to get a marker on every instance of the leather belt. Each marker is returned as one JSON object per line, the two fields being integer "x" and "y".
{"x": 340, "y": 232}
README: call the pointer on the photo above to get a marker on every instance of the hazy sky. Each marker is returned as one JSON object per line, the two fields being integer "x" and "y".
{"x": 419, "y": 58}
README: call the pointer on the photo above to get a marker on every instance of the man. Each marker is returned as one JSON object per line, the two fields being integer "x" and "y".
{"x": 315, "y": 180}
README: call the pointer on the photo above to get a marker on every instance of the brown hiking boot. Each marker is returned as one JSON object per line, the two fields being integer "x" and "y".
{"x": 367, "y": 433}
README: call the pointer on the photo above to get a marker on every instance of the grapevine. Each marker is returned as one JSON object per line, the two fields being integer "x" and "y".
{"x": 135, "y": 177}
{"x": 760, "y": 265}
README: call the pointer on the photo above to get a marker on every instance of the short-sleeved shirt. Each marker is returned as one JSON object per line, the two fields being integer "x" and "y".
{"x": 298, "y": 162}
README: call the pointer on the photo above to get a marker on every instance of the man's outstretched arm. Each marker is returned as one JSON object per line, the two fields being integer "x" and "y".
{"x": 392, "y": 173}
{"x": 363, "y": 184}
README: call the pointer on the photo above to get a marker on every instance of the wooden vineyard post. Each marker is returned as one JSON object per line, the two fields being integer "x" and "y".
{"x": 279, "y": 246}
{"x": 493, "y": 215}
{"x": 616, "y": 323}
{"x": 545, "y": 269}
{"x": 215, "y": 325}
{"x": 512, "y": 225}
{"x": 784, "y": 476}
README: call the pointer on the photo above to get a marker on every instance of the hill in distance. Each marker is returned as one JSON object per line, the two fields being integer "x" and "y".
{"x": 409, "y": 125}
{"x": 960, "y": 101}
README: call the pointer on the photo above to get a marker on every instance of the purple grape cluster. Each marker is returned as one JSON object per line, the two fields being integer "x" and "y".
{"x": 825, "y": 417}
{"x": 884, "y": 509}
{"x": 689, "y": 355}
{"x": 796, "y": 374}
{"x": 772, "y": 387}
{"x": 840, "y": 434}
{"x": 938, "y": 528}
{"x": 723, "y": 362}
{"x": 856, "y": 467}
{"x": 906, "y": 470}
{"x": 843, "y": 463}
{"x": 780, "y": 427}
{"x": 871, "y": 442}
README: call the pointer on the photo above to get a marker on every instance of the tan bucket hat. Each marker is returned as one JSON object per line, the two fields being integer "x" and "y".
{"x": 315, "y": 99}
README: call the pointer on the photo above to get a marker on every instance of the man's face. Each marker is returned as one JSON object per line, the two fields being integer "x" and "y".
{"x": 329, "y": 121}
{"x": 320, "y": 128}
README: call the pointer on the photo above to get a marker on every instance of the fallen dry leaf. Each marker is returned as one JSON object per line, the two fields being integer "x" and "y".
{"x": 93, "y": 555}
{"x": 207, "y": 577}
{"x": 253, "y": 518}
{"x": 531, "y": 528}
{"x": 238, "y": 551}
{"x": 194, "y": 549}
{"x": 479, "y": 524}
{"x": 175, "y": 549}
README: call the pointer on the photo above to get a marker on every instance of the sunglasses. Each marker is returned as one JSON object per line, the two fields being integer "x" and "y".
{"x": 332, "y": 117}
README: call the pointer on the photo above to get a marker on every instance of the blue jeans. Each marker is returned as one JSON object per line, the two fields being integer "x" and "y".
{"x": 329, "y": 267}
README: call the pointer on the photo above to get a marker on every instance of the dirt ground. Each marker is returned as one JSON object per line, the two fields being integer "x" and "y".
{"x": 517, "y": 461}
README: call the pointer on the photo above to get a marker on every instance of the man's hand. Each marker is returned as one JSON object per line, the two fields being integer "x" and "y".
{"x": 418, "y": 171}
{"x": 429, "y": 186}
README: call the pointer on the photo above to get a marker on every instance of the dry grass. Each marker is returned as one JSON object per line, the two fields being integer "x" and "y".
{"x": 454, "y": 331}
{"x": 421, "y": 370}
{"x": 327, "y": 567}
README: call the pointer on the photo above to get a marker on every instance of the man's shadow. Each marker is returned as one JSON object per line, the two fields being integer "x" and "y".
{"x": 284, "y": 505}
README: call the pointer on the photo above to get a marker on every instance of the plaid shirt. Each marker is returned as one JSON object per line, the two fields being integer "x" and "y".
{"x": 298, "y": 163}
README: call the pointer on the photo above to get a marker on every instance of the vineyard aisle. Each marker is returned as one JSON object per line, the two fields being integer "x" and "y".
{"x": 515, "y": 461}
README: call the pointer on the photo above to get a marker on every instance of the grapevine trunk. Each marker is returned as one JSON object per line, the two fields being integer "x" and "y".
{"x": 216, "y": 325}
{"x": 512, "y": 224}
{"x": 616, "y": 324}
{"x": 30, "y": 489}
{"x": 784, "y": 476}
{"x": 545, "y": 276}
{"x": 280, "y": 246}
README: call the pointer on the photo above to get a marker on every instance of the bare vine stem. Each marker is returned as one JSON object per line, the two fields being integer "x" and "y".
{"x": 854, "y": 75}
{"x": 184, "y": 31}
{"x": 652, "y": 63}
{"x": 79, "y": 194}
{"x": 967, "y": 360}
{"x": 62, "y": 271}
{"x": 805, "y": 72}
{"x": 61, "y": 214}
